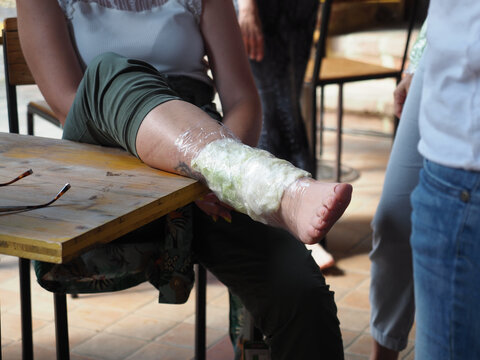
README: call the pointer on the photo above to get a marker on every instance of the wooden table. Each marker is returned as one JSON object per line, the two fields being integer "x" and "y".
{"x": 111, "y": 193}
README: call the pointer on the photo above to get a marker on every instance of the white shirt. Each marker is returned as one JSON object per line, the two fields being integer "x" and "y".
{"x": 450, "y": 109}
{"x": 163, "y": 33}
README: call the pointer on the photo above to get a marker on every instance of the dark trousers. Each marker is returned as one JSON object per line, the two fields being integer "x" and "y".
{"x": 277, "y": 280}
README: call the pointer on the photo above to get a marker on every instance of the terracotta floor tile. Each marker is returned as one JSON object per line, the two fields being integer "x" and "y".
{"x": 411, "y": 336}
{"x": 409, "y": 351}
{"x": 80, "y": 357}
{"x": 217, "y": 317}
{"x": 42, "y": 308}
{"x": 11, "y": 284}
{"x": 359, "y": 224}
{"x": 9, "y": 299}
{"x": 11, "y": 326}
{"x": 173, "y": 312}
{"x": 357, "y": 299}
{"x": 361, "y": 346}
{"x": 221, "y": 301}
{"x": 215, "y": 289}
{"x": 181, "y": 335}
{"x": 222, "y": 350}
{"x": 108, "y": 346}
{"x": 184, "y": 335}
{"x": 339, "y": 292}
{"x": 343, "y": 239}
{"x": 349, "y": 279}
{"x": 365, "y": 285}
{"x": 14, "y": 352}
{"x": 93, "y": 318}
{"x": 349, "y": 337}
{"x": 408, "y": 356}
{"x": 349, "y": 356}
{"x": 155, "y": 351}
{"x": 354, "y": 320}
{"x": 76, "y": 335}
{"x": 125, "y": 301}
{"x": 141, "y": 327}
{"x": 6, "y": 342}
{"x": 364, "y": 246}
{"x": 356, "y": 262}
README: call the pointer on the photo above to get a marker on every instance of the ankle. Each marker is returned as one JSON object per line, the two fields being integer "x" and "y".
{"x": 380, "y": 352}
{"x": 291, "y": 201}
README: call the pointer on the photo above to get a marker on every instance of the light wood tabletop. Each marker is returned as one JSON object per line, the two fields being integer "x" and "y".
{"x": 112, "y": 193}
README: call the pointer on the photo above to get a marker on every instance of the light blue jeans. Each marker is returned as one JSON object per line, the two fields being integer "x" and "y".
{"x": 446, "y": 261}
{"x": 391, "y": 287}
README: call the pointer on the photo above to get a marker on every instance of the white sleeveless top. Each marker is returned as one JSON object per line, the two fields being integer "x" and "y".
{"x": 163, "y": 33}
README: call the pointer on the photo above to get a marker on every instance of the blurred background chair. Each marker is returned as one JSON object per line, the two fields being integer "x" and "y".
{"x": 326, "y": 70}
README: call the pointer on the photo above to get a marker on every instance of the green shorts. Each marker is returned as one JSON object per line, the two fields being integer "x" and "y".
{"x": 117, "y": 93}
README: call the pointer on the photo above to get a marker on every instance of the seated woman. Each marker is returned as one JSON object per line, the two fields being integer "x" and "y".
{"x": 131, "y": 74}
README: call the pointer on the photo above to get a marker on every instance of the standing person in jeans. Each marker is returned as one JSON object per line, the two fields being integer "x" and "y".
{"x": 391, "y": 286}
{"x": 277, "y": 35}
{"x": 446, "y": 203}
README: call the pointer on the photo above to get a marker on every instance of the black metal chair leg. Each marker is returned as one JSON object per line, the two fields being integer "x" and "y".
{"x": 61, "y": 326}
{"x": 200, "y": 313}
{"x": 26, "y": 308}
{"x": 30, "y": 129}
{"x": 313, "y": 128}
{"x": 322, "y": 115}
{"x": 338, "y": 167}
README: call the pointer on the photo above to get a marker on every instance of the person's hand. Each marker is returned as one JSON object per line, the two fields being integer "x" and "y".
{"x": 400, "y": 94}
{"x": 251, "y": 28}
{"x": 213, "y": 207}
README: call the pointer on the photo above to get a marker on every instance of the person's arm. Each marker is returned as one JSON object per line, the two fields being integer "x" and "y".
{"x": 49, "y": 52}
{"x": 251, "y": 28}
{"x": 400, "y": 94}
{"x": 231, "y": 70}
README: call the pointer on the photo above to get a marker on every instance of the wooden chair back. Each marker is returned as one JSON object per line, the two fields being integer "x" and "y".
{"x": 17, "y": 73}
{"x": 16, "y": 68}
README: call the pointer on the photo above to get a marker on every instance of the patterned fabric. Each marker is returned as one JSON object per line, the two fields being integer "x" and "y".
{"x": 194, "y": 6}
{"x": 417, "y": 49}
{"x": 159, "y": 252}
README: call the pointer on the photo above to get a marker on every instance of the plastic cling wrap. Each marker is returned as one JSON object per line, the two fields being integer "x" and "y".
{"x": 250, "y": 180}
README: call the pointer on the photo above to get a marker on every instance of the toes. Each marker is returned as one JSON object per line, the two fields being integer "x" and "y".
{"x": 313, "y": 235}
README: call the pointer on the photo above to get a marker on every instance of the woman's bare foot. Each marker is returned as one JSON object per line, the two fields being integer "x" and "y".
{"x": 321, "y": 256}
{"x": 309, "y": 208}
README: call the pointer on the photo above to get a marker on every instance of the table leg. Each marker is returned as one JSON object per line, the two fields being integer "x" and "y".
{"x": 26, "y": 308}
{"x": 200, "y": 313}
{"x": 61, "y": 326}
